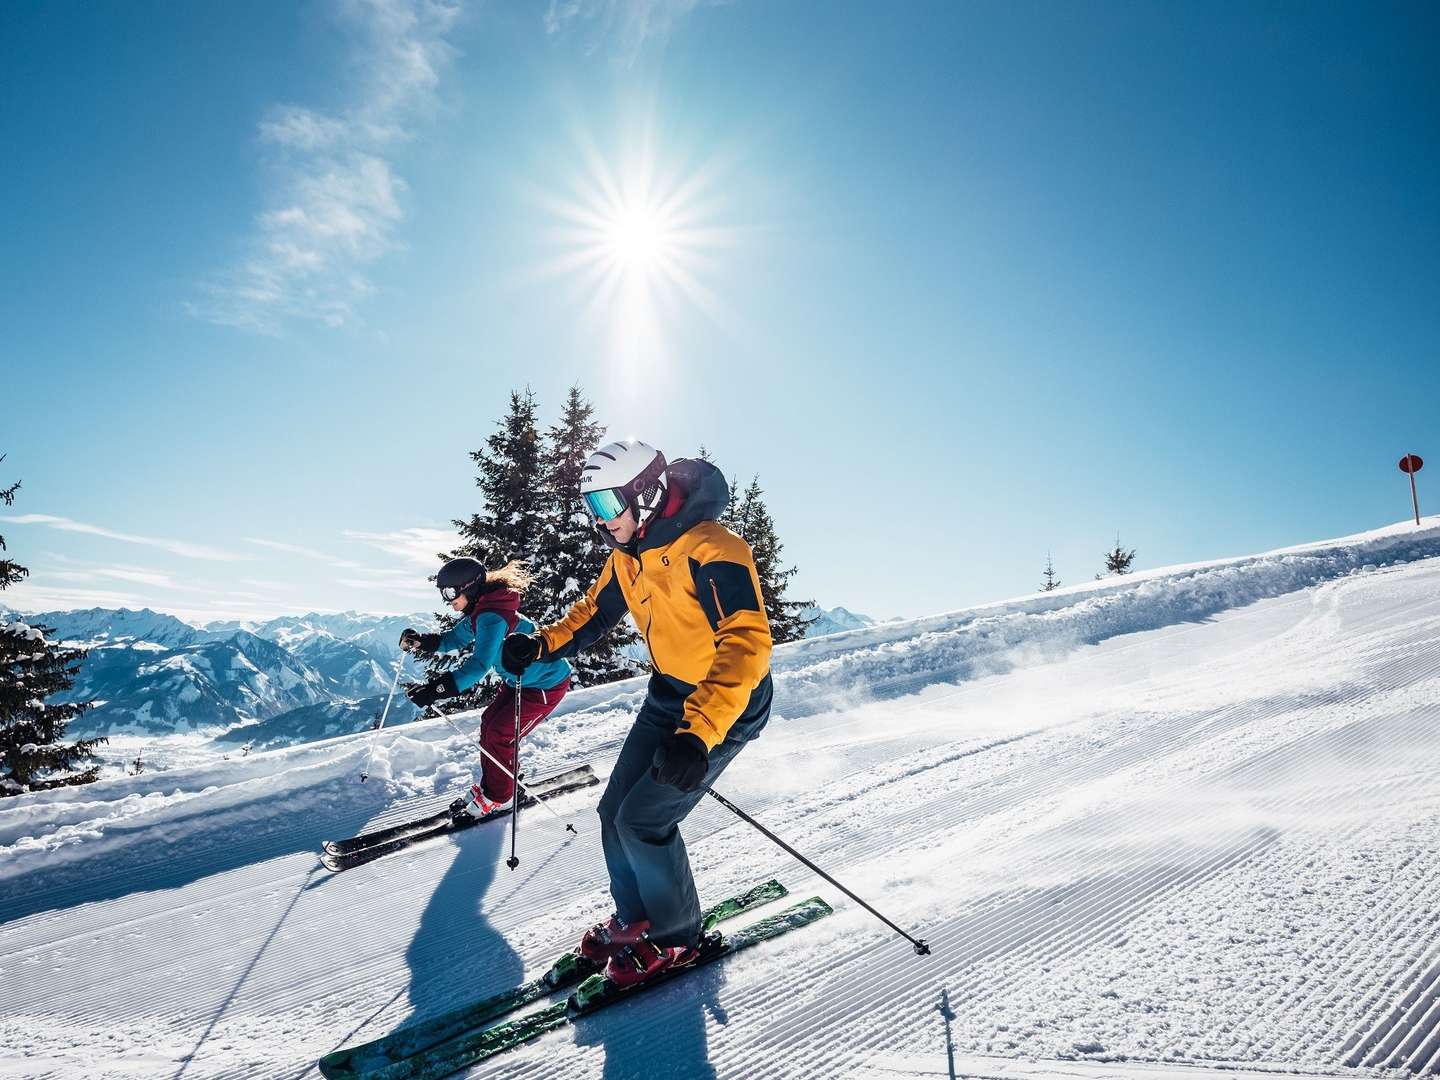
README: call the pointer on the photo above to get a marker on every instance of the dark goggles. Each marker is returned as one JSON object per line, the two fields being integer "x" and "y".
{"x": 605, "y": 505}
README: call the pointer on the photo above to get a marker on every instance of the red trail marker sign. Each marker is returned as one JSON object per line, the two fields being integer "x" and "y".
{"x": 1410, "y": 464}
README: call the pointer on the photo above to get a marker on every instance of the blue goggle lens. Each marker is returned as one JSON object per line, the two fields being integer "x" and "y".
{"x": 606, "y": 505}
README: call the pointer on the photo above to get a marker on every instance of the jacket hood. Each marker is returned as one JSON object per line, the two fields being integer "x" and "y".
{"x": 703, "y": 493}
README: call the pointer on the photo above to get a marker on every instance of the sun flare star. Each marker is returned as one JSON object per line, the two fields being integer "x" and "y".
{"x": 637, "y": 242}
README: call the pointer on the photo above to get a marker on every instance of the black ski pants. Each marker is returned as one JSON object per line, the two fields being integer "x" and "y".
{"x": 640, "y": 817}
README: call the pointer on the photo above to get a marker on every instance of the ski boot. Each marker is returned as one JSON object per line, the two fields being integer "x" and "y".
{"x": 604, "y": 940}
{"x": 644, "y": 960}
{"x": 476, "y": 805}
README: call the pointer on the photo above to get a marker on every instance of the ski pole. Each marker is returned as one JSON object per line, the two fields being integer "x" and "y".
{"x": 921, "y": 949}
{"x": 514, "y": 859}
{"x": 506, "y": 770}
{"x": 365, "y": 772}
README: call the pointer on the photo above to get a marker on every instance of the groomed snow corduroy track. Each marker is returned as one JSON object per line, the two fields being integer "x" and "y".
{"x": 1189, "y": 818}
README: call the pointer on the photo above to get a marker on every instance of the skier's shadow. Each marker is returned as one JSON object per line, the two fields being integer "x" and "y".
{"x": 456, "y": 954}
{"x": 661, "y": 1036}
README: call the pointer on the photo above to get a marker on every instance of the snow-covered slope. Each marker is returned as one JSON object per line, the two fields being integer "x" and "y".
{"x": 1187, "y": 816}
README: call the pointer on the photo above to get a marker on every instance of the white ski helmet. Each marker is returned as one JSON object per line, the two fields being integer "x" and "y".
{"x": 624, "y": 474}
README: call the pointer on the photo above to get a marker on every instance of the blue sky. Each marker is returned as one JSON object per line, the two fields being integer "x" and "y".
{"x": 963, "y": 283}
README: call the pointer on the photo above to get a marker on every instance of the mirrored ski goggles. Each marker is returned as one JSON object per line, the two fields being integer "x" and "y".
{"x": 450, "y": 593}
{"x": 606, "y": 505}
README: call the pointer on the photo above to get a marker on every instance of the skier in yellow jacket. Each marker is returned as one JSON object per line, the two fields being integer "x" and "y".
{"x": 691, "y": 587}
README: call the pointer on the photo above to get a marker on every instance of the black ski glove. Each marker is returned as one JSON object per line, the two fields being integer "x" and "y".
{"x": 519, "y": 651}
{"x": 681, "y": 761}
{"x": 412, "y": 641}
{"x": 427, "y": 693}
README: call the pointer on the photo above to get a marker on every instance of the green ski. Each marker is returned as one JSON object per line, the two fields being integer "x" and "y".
{"x": 399, "y": 1046}
{"x": 593, "y": 994}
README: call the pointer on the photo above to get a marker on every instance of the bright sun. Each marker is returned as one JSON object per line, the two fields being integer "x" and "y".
{"x": 637, "y": 242}
{"x": 638, "y": 239}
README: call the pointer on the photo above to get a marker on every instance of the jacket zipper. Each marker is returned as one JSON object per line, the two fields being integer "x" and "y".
{"x": 716, "y": 593}
{"x": 649, "y": 609}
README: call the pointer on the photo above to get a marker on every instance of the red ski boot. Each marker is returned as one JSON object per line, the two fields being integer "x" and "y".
{"x": 644, "y": 960}
{"x": 604, "y": 940}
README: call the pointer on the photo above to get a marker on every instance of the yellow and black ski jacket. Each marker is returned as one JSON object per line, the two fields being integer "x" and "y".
{"x": 691, "y": 587}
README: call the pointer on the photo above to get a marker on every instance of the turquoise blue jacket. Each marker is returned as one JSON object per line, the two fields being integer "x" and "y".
{"x": 485, "y": 624}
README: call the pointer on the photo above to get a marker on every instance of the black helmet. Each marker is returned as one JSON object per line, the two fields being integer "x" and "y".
{"x": 461, "y": 577}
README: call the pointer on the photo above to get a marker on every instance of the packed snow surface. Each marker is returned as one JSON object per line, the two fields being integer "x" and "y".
{"x": 1185, "y": 819}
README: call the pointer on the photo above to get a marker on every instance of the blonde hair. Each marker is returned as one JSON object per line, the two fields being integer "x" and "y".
{"x": 513, "y": 575}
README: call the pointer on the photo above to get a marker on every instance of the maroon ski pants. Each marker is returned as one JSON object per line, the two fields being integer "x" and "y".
{"x": 497, "y": 732}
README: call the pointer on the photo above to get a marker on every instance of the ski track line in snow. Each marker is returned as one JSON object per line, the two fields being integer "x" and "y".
{"x": 1398, "y": 920}
{"x": 1112, "y": 898}
{"x": 1031, "y": 934}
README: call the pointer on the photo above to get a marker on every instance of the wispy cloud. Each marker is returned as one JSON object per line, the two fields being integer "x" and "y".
{"x": 175, "y": 547}
{"x": 337, "y": 197}
{"x": 131, "y": 574}
{"x": 419, "y": 545}
{"x": 307, "y": 552}
{"x": 623, "y": 26}
{"x": 419, "y": 590}
{"x": 38, "y": 597}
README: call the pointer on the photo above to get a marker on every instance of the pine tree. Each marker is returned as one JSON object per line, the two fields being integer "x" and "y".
{"x": 751, "y": 520}
{"x": 571, "y": 553}
{"x": 33, "y": 755}
{"x": 1051, "y": 581}
{"x": 1118, "y": 562}
{"x": 510, "y": 524}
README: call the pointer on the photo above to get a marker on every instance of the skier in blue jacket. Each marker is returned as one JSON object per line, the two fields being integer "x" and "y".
{"x": 489, "y": 606}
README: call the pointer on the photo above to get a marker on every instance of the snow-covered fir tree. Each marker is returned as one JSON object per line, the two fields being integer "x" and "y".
{"x": 1118, "y": 562}
{"x": 510, "y": 523}
{"x": 34, "y": 755}
{"x": 751, "y": 520}
{"x": 571, "y": 553}
{"x": 1051, "y": 581}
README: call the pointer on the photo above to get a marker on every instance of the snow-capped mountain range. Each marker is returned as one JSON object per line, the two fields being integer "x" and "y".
{"x": 269, "y": 683}
{"x": 151, "y": 673}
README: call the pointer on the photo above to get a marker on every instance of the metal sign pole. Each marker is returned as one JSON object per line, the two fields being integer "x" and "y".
{"x": 1410, "y": 464}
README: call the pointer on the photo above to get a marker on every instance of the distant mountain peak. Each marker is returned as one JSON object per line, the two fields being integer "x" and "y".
{"x": 834, "y": 620}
